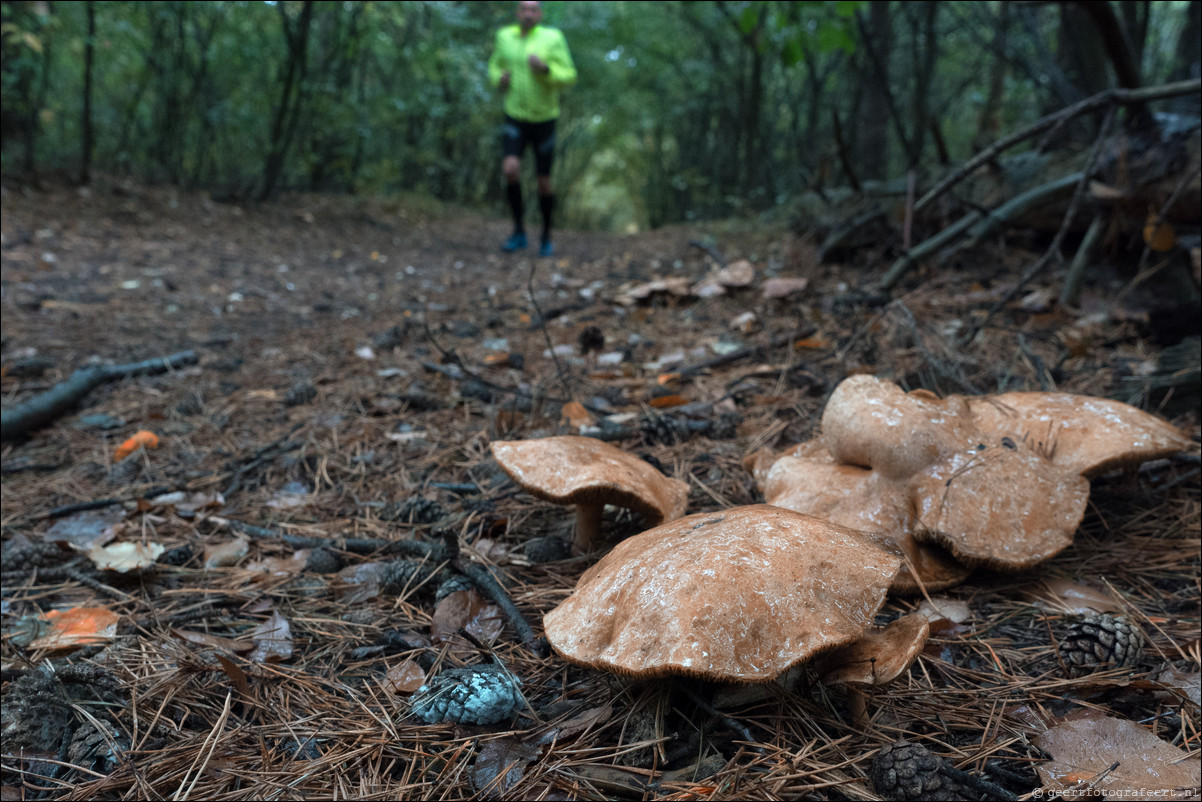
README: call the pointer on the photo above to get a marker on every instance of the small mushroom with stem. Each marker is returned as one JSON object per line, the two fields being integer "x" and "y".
{"x": 589, "y": 474}
{"x": 739, "y": 595}
{"x": 880, "y": 656}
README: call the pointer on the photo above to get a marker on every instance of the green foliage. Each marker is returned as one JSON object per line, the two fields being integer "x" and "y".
{"x": 682, "y": 110}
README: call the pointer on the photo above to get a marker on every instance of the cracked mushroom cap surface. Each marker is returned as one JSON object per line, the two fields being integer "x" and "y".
{"x": 1085, "y": 434}
{"x": 738, "y": 595}
{"x": 999, "y": 505}
{"x": 861, "y": 498}
{"x": 875, "y": 424}
{"x": 583, "y": 470}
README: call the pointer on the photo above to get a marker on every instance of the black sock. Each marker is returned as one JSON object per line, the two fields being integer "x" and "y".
{"x": 515, "y": 204}
{"x": 546, "y": 203}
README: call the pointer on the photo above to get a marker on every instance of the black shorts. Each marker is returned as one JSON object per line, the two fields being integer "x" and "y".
{"x": 517, "y": 135}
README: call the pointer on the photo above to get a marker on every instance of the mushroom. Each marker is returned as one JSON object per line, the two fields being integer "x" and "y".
{"x": 916, "y": 467}
{"x": 1082, "y": 433}
{"x": 880, "y": 656}
{"x": 739, "y": 595}
{"x": 861, "y": 498}
{"x": 590, "y": 474}
{"x": 1002, "y": 505}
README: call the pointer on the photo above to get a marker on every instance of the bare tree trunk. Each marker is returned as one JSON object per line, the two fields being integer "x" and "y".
{"x": 288, "y": 111}
{"x": 988, "y": 124}
{"x": 872, "y": 123}
{"x": 85, "y": 146}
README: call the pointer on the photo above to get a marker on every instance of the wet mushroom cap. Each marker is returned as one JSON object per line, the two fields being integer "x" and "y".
{"x": 1001, "y": 506}
{"x": 583, "y": 470}
{"x": 1085, "y": 434}
{"x": 861, "y": 498}
{"x": 880, "y": 656}
{"x": 875, "y": 424}
{"x": 738, "y": 596}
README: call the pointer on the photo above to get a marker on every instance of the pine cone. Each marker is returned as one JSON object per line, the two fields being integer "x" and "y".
{"x": 483, "y": 694}
{"x": 906, "y": 771}
{"x": 414, "y": 510}
{"x": 401, "y": 575}
{"x": 1097, "y": 642}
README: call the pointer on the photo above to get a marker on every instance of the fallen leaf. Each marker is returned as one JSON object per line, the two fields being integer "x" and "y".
{"x": 208, "y": 641}
{"x": 226, "y": 553}
{"x": 1117, "y": 758}
{"x": 667, "y": 401}
{"x": 942, "y": 608}
{"x": 280, "y": 566}
{"x": 500, "y": 765}
{"x": 83, "y": 530}
{"x": 78, "y": 626}
{"x": 1159, "y": 238}
{"x": 272, "y": 639}
{"x": 405, "y": 677}
{"x": 236, "y": 674}
{"x": 576, "y": 724}
{"x": 775, "y": 288}
{"x": 140, "y": 440}
{"x": 184, "y": 502}
{"x": 1073, "y": 598}
{"x": 466, "y": 609}
{"x": 125, "y": 557}
{"x": 492, "y": 551}
{"x": 575, "y": 415}
{"x": 1185, "y": 686}
{"x": 359, "y": 583}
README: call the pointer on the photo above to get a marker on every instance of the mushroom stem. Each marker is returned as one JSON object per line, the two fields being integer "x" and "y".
{"x": 588, "y": 526}
{"x": 857, "y": 704}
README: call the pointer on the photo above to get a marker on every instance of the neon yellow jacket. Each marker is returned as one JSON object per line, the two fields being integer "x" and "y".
{"x": 531, "y": 98}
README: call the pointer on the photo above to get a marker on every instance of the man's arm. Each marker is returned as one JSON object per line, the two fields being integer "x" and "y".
{"x": 561, "y": 70}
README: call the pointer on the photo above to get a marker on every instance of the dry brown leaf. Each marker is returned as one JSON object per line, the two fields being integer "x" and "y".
{"x": 359, "y": 583}
{"x": 1073, "y": 598}
{"x": 576, "y": 724}
{"x": 575, "y": 415}
{"x": 667, "y": 401}
{"x": 272, "y": 639}
{"x": 227, "y": 553}
{"x": 125, "y": 557}
{"x": 405, "y": 677}
{"x": 465, "y": 609}
{"x": 184, "y": 502}
{"x": 942, "y": 608}
{"x": 236, "y": 674}
{"x": 212, "y": 641}
{"x": 1186, "y": 686}
{"x": 500, "y": 764}
{"x": 291, "y": 565}
{"x": 78, "y": 626}
{"x": 1117, "y": 757}
{"x": 783, "y": 287}
{"x": 83, "y": 530}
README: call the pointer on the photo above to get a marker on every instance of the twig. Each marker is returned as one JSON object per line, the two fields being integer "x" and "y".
{"x": 560, "y": 373}
{"x": 1053, "y": 249}
{"x": 459, "y": 373}
{"x": 742, "y": 353}
{"x": 58, "y": 400}
{"x": 1109, "y": 97}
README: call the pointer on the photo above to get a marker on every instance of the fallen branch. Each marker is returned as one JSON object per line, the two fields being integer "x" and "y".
{"x": 58, "y": 400}
{"x": 1109, "y": 97}
{"x": 435, "y": 553}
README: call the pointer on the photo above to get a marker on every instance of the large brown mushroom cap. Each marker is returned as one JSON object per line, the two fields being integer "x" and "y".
{"x": 1084, "y": 434}
{"x": 739, "y": 595}
{"x": 1002, "y": 506}
{"x": 590, "y": 474}
{"x": 861, "y": 498}
{"x": 875, "y": 424}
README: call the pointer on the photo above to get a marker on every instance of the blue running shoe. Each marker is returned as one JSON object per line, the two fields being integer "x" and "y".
{"x": 516, "y": 242}
{"x": 546, "y": 248}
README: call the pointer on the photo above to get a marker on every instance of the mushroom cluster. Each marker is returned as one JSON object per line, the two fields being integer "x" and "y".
{"x": 998, "y": 481}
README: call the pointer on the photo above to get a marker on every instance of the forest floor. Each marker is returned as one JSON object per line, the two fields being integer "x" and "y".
{"x": 356, "y": 358}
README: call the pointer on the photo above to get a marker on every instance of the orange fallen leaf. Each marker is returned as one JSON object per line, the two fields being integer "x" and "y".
{"x": 405, "y": 677}
{"x": 78, "y": 626}
{"x": 665, "y": 401}
{"x": 142, "y": 439}
{"x": 1160, "y": 238}
{"x": 575, "y": 415}
{"x": 817, "y": 341}
{"x": 666, "y": 378}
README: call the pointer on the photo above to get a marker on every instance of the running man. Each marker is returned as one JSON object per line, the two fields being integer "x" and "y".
{"x": 530, "y": 64}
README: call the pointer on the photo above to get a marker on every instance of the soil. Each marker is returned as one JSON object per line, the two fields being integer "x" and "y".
{"x": 355, "y": 359}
